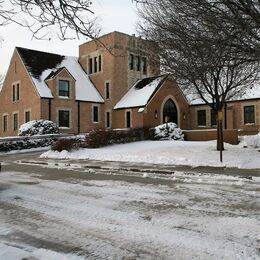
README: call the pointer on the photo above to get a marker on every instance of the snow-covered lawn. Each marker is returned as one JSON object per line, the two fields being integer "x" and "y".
{"x": 170, "y": 152}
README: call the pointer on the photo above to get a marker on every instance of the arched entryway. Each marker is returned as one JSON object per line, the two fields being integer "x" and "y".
{"x": 170, "y": 112}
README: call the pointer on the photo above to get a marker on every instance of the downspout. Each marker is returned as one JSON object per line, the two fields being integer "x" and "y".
{"x": 225, "y": 112}
{"x": 78, "y": 116}
{"x": 50, "y": 109}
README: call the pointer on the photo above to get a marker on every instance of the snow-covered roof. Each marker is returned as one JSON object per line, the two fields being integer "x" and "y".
{"x": 41, "y": 65}
{"x": 141, "y": 93}
{"x": 250, "y": 93}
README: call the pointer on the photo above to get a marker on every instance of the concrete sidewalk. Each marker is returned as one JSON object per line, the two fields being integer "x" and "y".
{"x": 34, "y": 159}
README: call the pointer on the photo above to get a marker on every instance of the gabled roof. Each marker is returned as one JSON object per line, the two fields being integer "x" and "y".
{"x": 42, "y": 65}
{"x": 141, "y": 93}
{"x": 53, "y": 74}
{"x": 252, "y": 92}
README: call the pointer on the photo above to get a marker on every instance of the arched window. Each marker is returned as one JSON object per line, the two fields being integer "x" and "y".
{"x": 170, "y": 113}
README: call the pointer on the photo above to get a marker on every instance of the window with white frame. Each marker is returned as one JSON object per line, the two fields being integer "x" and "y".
{"x": 64, "y": 118}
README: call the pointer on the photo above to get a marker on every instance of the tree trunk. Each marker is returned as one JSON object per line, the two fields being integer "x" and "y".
{"x": 220, "y": 142}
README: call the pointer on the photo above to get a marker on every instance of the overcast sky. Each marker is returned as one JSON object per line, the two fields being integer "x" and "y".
{"x": 114, "y": 15}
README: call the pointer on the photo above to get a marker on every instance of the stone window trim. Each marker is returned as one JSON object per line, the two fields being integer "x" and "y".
{"x": 244, "y": 106}
{"x": 201, "y": 124}
{"x": 213, "y": 119}
{"x": 5, "y": 124}
{"x": 93, "y": 109}
{"x": 16, "y": 86}
{"x": 144, "y": 65}
{"x": 57, "y": 118}
{"x": 95, "y": 63}
{"x": 15, "y": 124}
{"x": 128, "y": 112}
{"x": 70, "y": 81}
{"x": 131, "y": 61}
{"x": 30, "y": 113}
{"x": 138, "y": 63}
{"x": 107, "y": 90}
{"x": 176, "y": 104}
{"x": 110, "y": 119}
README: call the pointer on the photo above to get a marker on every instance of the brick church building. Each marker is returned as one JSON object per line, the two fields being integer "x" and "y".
{"x": 112, "y": 84}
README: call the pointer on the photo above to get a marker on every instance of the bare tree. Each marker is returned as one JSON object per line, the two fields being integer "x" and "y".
{"x": 201, "y": 58}
{"x": 238, "y": 21}
{"x": 67, "y": 18}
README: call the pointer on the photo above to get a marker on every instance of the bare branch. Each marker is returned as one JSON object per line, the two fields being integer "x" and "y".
{"x": 68, "y": 19}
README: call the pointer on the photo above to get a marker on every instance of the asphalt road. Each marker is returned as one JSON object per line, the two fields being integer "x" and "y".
{"x": 110, "y": 210}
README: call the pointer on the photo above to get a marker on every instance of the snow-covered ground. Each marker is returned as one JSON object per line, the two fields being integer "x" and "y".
{"x": 171, "y": 152}
{"x": 183, "y": 216}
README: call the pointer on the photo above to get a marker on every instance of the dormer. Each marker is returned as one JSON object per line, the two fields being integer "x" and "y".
{"x": 61, "y": 83}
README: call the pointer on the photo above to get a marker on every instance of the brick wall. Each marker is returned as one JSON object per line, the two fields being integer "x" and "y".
{"x": 115, "y": 67}
{"x": 230, "y": 136}
{"x": 28, "y": 100}
{"x": 234, "y": 116}
{"x": 147, "y": 118}
{"x": 169, "y": 90}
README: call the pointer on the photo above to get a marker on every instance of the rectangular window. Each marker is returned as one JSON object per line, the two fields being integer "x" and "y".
{"x": 27, "y": 116}
{"x": 131, "y": 61}
{"x": 95, "y": 64}
{"x": 138, "y": 63}
{"x": 90, "y": 66}
{"x": 15, "y": 121}
{"x": 95, "y": 114}
{"x": 17, "y": 91}
{"x": 128, "y": 119}
{"x": 99, "y": 63}
{"x": 64, "y": 88}
{"x": 249, "y": 114}
{"x": 144, "y": 65}
{"x": 64, "y": 118}
{"x": 14, "y": 93}
{"x": 107, "y": 90}
{"x": 107, "y": 119}
{"x": 201, "y": 114}
{"x": 213, "y": 118}
{"x": 5, "y": 123}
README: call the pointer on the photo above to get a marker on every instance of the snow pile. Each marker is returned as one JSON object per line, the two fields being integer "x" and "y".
{"x": 251, "y": 140}
{"x": 38, "y": 127}
{"x": 168, "y": 131}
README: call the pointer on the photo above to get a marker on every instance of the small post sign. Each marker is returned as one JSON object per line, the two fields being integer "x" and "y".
{"x": 220, "y": 119}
